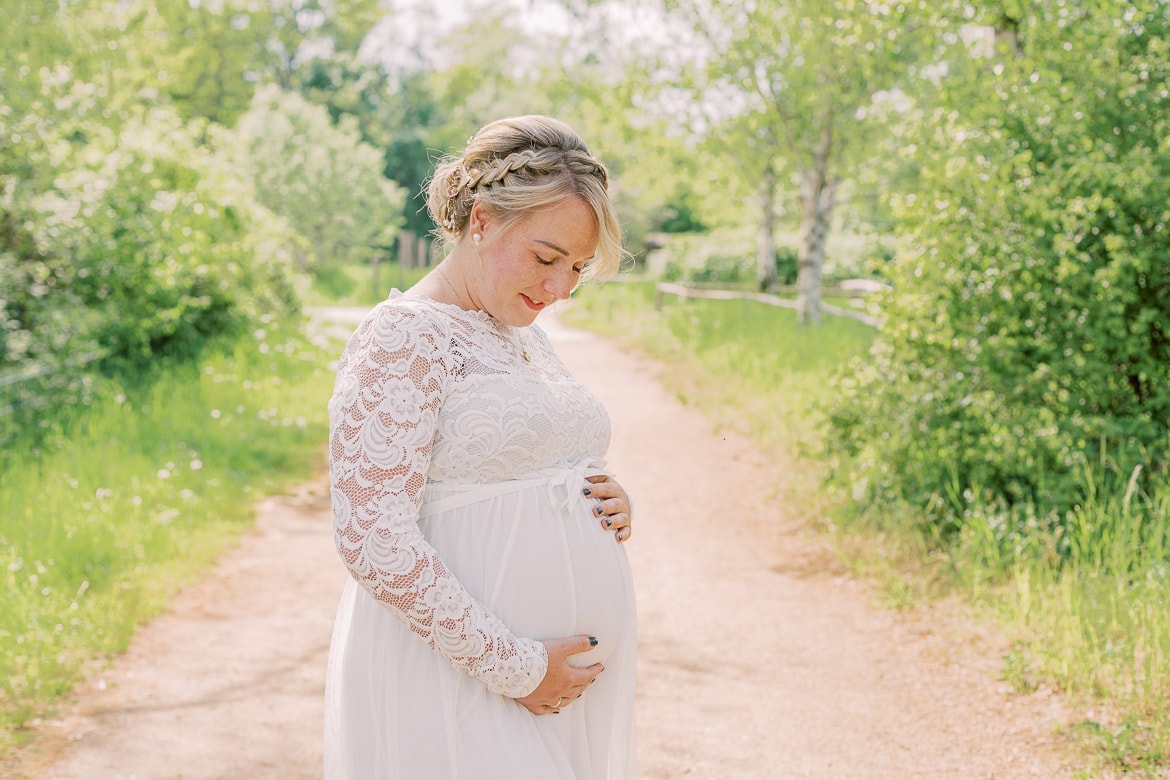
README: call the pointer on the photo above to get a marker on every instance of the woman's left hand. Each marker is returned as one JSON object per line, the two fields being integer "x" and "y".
{"x": 613, "y": 508}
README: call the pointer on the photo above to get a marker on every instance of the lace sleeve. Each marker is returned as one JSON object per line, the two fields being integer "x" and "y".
{"x": 391, "y": 382}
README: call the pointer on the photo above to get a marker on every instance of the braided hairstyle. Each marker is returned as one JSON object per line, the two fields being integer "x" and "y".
{"x": 518, "y": 165}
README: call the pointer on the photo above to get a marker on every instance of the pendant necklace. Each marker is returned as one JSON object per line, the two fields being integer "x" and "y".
{"x": 518, "y": 345}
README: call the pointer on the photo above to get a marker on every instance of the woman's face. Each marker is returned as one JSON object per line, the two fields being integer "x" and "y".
{"x": 534, "y": 263}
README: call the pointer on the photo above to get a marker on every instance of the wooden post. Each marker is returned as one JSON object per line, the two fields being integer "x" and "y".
{"x": 424, "y": 252}
{"x": 405, "y": 250}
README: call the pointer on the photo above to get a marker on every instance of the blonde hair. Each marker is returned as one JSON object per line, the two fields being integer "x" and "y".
{"x": 518, "y": 165}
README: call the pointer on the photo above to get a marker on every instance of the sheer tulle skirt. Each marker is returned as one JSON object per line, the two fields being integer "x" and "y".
{"x": 395, "y": 710}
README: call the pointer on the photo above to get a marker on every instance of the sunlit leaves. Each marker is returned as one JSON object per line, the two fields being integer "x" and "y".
{"x": 321, "y": 176}
{"x": 1027, "y": 337}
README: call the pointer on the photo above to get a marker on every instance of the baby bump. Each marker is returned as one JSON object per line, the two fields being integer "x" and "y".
{"x": 546, "y": 571}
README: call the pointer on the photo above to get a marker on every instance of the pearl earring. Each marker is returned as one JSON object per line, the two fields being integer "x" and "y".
{"x": 475, "y": 238}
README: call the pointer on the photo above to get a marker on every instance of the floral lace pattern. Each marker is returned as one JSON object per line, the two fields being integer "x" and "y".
{"x": 427, "y": 392}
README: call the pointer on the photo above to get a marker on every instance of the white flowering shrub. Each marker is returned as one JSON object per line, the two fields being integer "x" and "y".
{"x": 320, "y": 176}
{"x": 130, "y": 235}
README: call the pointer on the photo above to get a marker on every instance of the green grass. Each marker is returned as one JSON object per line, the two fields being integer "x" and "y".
{"x": 358, "y": 284}
{"x": 1094, "y": 622}
{"x": 1086, "y": 611}
{"x": 99, "y": 529}
{"x": 749, "y": 366}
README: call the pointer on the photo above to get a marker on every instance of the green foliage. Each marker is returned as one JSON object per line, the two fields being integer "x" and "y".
{"x": 731, "y": 269}
{"x": 787, "y": 264}
{"x": 205, "y": 59}
{"x": 99, "y": 529}
{"x": 318, "y": 175}
{"x": 123, "y": 231}
{"x": 410, "y": 117}
{"x": 1094, "y": 618}
{"x": 359, "y": 284}
{"x": 131, "y": 240}
{"x": 817, "y": 89}
{"x": 1026, "y": 338}
{"x": 677, "y": 215}
{"x": 809, "y": 69}
{"x": 1013, "y": 412}
{"x": 750, "y": 363}
{"x": 715, "y": 269}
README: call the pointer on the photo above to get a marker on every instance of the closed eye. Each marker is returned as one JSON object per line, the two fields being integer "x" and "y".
{"x": 577, "y": 269}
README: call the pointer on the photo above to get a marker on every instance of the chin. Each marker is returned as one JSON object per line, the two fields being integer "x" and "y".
{"x": 523, "y": 315}
{"x": 523, "y": 320}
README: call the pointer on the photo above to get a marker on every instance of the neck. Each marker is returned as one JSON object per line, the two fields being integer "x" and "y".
{"x": 451, "y": 287}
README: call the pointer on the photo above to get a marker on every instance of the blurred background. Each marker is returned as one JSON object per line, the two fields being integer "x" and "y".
{"x": 937, "y": 230}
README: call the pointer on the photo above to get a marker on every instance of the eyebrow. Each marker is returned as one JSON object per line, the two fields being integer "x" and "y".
{"x": 551, "y": 245}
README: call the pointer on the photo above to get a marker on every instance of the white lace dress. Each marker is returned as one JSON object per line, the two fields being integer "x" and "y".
{"x": 458, "y": 451}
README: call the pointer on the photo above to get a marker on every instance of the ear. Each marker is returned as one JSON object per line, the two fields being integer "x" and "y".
{"x": 478, "y": 220}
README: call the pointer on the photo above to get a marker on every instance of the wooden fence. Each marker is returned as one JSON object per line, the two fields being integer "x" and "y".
{"x": 690, "y": 291}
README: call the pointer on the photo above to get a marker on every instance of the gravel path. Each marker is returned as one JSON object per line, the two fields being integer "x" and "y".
{"x": 758, "y": 658}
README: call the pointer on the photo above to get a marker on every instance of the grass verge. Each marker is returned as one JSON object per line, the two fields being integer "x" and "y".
{"x": 1092, "y": 619}
{"x": 98, "y": 529}
{"x": 358, "y": 284}
{"x": 748, "y": 366}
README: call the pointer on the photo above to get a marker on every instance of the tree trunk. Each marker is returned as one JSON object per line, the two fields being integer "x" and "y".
{"x": 817, "y": 197}
{"x": 406, "y": 245}
{"x": 1007, "y": 32}
{"x": 765, "y": 249}
{"x": 818, "y": 193}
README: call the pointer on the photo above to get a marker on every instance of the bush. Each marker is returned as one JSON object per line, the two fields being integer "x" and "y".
{"x": 724, "y": 269}
{"x": 732, "y": 269}
{"x": 787, "y": 265}
{"x": 1028, "y": 335}
{"x": 318, "y": 175}
{"x": 715, "y": 269}
{"x": 132, "y": 238}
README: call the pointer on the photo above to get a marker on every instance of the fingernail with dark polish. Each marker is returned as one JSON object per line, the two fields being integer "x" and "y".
{"x": 593, "y": 641}
{"x": 587, "y": 492}
{"x": 608, "y": 522}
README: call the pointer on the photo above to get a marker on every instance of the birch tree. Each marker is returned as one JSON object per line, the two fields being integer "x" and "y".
{"x": 802, "y": 81}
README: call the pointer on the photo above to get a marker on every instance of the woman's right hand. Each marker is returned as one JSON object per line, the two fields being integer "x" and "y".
{"x": 562, "y": 683}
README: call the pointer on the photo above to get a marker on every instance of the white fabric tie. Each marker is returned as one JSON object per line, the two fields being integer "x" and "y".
{"x": 562, "y": 485}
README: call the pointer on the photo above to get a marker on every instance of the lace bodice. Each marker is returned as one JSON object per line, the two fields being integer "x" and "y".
{"x": 429, "y": 393}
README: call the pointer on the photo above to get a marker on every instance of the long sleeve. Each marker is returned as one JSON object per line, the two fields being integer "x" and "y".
{"x": 391, "y": 382}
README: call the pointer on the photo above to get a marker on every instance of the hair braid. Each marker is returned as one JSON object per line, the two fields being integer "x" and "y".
{"x": 500, "y": 170}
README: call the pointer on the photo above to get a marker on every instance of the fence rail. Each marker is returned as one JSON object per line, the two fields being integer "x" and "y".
{"x": 685, "y": 291}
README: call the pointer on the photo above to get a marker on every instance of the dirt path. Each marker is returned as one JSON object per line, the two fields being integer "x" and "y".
{"x": 756, "y": 659}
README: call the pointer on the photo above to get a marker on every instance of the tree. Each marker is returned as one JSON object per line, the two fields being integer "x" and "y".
{"x": 491, "y": 68}
{"x": 320, "y": 176}
{"x": 797, "y": 81}
{"x": 1027, "y": 339}
{"x": 207, "y": 57}
{"x": 121, "y": 228}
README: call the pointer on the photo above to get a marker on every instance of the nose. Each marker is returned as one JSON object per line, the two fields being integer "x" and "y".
{"x": 560, "y": 282}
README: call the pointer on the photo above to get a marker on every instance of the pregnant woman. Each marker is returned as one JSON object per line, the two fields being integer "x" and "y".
{"x": 488, "y": 627}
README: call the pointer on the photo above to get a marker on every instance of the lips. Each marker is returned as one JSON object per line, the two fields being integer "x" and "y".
{"x": 530, "y": 303}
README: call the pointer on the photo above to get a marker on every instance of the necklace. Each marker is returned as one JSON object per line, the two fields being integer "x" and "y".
{"x": 515, "y": 342}
{"x": 447, "y": 283}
